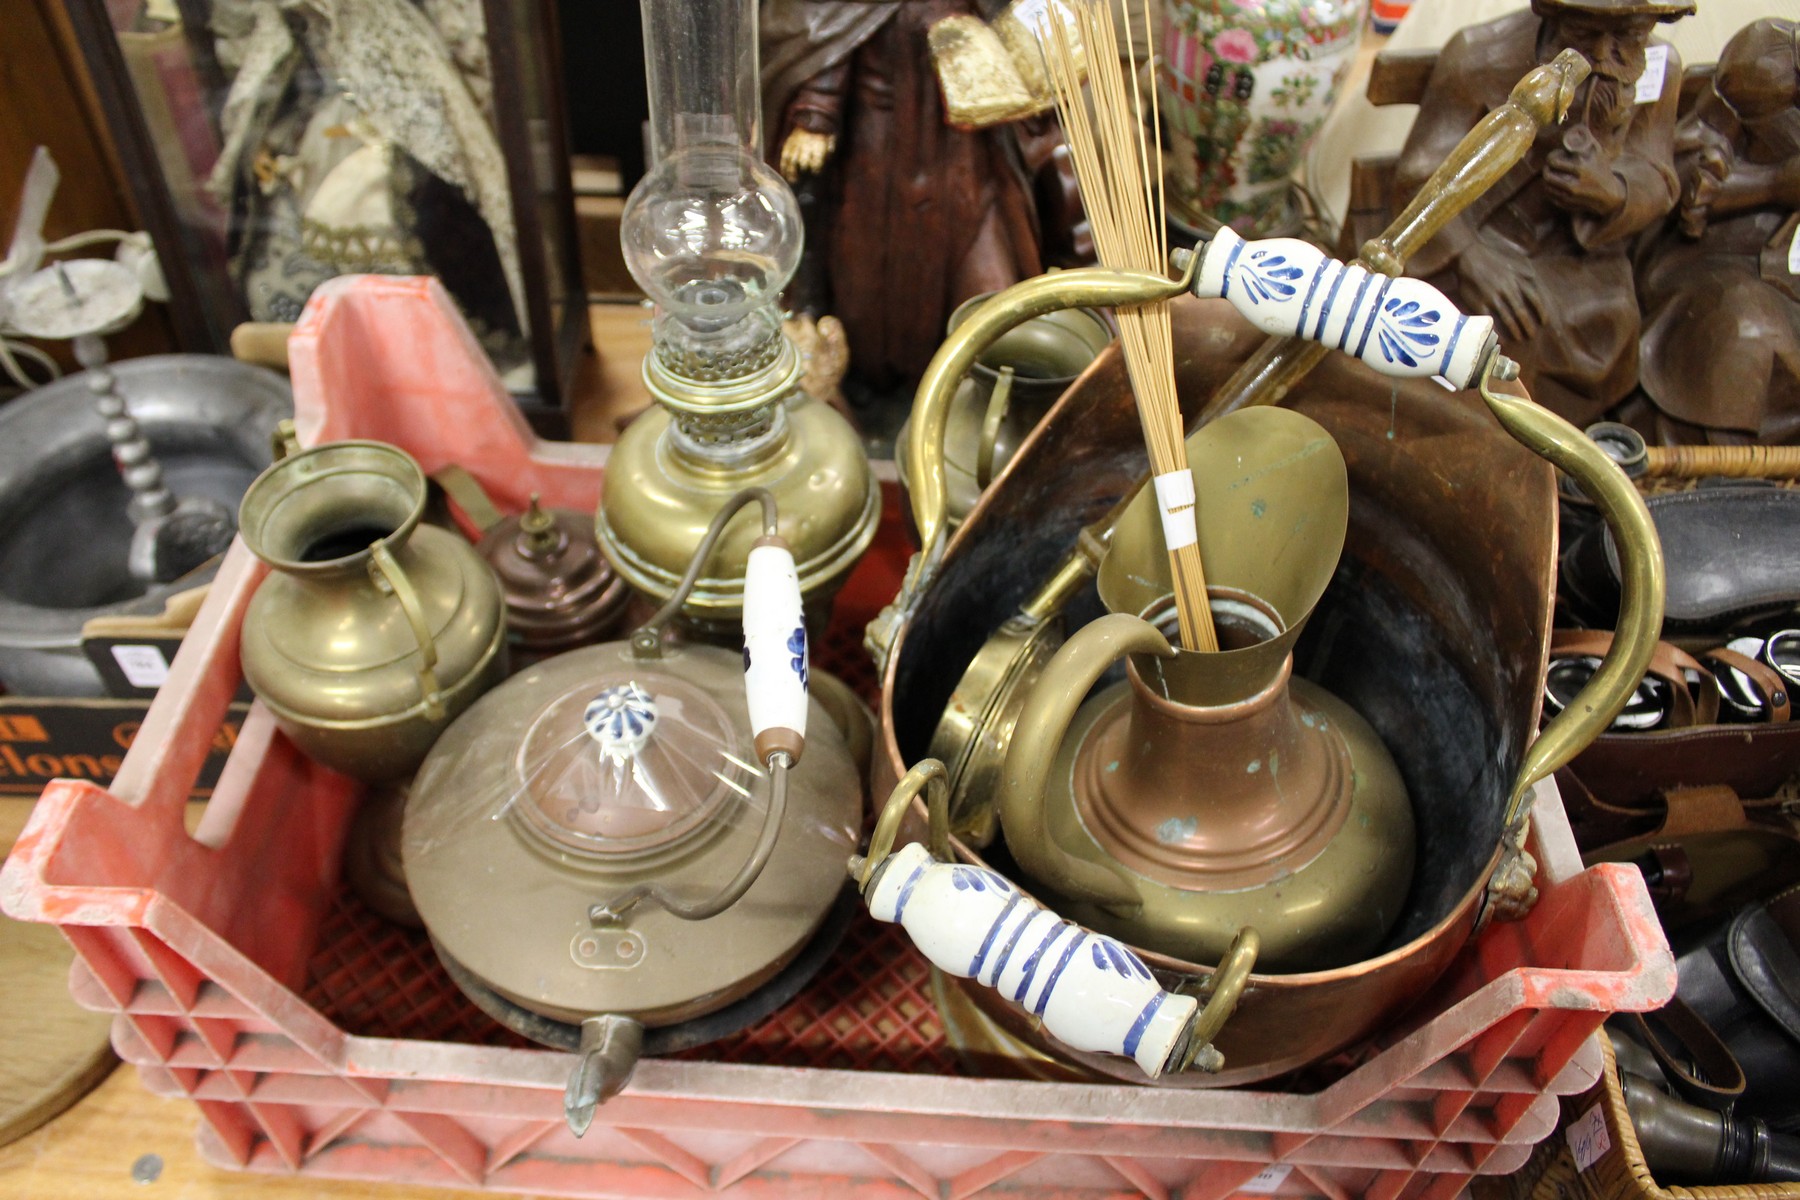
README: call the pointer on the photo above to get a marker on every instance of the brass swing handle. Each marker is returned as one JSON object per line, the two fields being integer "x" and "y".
{"x": 1400, "y": 327}
{"x": 388, "y": 577}
{"x": 1641, "y": 578}
{"x": 1090, "y": 991}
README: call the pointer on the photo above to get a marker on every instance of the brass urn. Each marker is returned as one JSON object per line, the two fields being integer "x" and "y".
{"x": 372, "y": 631}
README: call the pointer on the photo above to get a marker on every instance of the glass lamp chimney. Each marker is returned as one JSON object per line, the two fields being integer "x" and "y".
{"x": 710, "y": 233}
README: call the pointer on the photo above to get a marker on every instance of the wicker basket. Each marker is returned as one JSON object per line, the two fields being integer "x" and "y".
{"x": 1619, "y": 1172}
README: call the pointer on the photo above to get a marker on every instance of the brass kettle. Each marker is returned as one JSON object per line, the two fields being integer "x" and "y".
{"x": 373, "y": 631}
{"x": 655, "y": 831}
{"x": 1008, "y": 389}
{"x": 1210, "y": 791}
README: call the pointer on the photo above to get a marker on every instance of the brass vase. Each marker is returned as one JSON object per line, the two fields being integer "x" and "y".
{"x": 373, "y": 631}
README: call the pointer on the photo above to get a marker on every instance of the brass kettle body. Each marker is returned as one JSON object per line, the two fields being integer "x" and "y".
{"x": 372, "y": 631}
{"x": 1212, "y": 791}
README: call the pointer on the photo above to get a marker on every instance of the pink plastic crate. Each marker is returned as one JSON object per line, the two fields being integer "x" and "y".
{"x": 245, "y": 979}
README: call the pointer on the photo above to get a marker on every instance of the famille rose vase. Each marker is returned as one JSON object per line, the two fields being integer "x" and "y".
{"x": 1245, "y": 86}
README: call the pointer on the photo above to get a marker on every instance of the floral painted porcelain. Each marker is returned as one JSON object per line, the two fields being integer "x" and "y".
{"x": 1401, "y": 327}
{"x": 1246, "y": 84}
{"x": 1090, "y": 991}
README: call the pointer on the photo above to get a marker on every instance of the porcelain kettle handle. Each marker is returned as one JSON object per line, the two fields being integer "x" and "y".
{"x": 1091, "y": 992}
{"x": 389, "y": 577}
{"x": 775, "y": 668}
{"x": 1043, "y": 722}
{"x": 1398, "y": 326}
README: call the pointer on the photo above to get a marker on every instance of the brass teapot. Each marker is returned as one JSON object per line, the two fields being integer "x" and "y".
{"x": 373, "y": 631}
{"x": 1008, "y": 389}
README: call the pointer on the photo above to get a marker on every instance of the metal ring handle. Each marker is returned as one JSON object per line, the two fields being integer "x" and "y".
{"x": 1222, "y": 990}
{"x": 769, "y": 833}
{"x": 390, "y": 577}
{"x": 929, "y": 776}
{"x": 998, "y": 404}
{"x": 1640, "y": 576}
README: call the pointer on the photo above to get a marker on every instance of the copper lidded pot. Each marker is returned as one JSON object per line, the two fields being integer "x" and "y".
{"x": 560, "y": 593}
{"x": 372, "y": 631}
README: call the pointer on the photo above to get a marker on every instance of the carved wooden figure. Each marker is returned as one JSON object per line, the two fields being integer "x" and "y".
{"x": 1720, "y": 292}
{"x": 908, "y": 215}
{"x": 1545, "y": 250}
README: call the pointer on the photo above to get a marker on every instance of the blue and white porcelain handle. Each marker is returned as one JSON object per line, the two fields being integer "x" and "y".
{"x": 1091, "y": 992}
{"x": 775, "y": 650}
{"x": 1398, "y": 326}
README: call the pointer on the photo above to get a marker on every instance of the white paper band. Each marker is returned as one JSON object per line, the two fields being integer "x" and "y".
{"x": 1175, "y": 499}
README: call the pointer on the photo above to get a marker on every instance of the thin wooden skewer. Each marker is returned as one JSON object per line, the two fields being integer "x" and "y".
{"x": 1124, "y": 203}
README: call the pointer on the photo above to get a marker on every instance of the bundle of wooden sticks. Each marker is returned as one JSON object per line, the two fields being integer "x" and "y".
{"x": 1118, "y": 161}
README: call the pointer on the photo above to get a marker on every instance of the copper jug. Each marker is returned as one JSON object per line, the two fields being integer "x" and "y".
{"x": 373, "y": 631}
{"x": 1210, "y": 791}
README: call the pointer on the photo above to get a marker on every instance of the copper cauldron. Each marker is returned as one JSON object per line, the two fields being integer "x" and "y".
{"x": 1435, "y": 629}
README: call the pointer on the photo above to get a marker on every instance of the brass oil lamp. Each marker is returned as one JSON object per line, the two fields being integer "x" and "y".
{"x": 712, "y": 234}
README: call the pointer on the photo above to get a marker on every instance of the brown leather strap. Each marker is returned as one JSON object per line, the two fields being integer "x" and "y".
{"x": 1667, "y": 663}
{"x": 1668, "y": 874}
{"x": 1701, "y": 810}
{"x": 1768, "y": 681}
{"x": 1695, "y": 1060}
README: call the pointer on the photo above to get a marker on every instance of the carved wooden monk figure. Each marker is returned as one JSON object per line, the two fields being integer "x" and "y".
{"x": 918, "y": 216}
{"x": 1545, "y": 250}
{"x": 1721, "y": 299}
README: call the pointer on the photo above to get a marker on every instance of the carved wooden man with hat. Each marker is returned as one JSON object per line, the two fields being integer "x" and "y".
{"x": 1545, "y": 250}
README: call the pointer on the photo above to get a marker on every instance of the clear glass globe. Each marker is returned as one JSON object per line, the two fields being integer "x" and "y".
{"x": 711, "y": 234}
